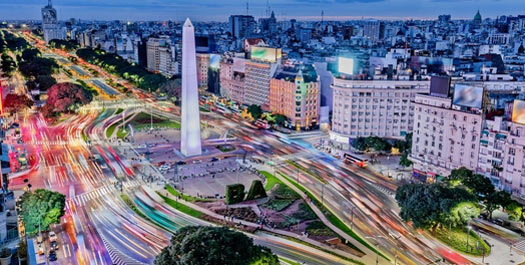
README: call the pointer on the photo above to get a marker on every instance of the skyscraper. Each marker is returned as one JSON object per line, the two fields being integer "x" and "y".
{"x": 190, "y": 126}
{"x": 50, "y": 25}
{"x": 241, "y": 26}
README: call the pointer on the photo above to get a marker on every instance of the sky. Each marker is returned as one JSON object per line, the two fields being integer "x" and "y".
{"x": 220, "y": 10}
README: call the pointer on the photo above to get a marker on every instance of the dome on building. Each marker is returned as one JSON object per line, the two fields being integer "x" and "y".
{"x": 477, "y": 17}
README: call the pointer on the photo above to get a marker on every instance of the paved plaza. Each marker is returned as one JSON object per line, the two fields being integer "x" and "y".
{"x": 209, "y": 179}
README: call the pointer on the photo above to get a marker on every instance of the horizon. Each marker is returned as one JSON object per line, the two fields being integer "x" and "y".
{"x": 302, "y": 10}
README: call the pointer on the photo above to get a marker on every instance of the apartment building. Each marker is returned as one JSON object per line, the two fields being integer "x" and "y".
{"x": 161, "y": 56}
{"x": 232, "y": 78}
{"x": 295, "y": 93}
{"x": 502, "y": 155}
{"x": 381, "y": 108}
{"x": 203, "y": 64}
{"x": 445, "y": 137}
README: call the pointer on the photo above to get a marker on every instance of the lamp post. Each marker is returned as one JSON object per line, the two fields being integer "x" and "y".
{"x": 468, "y": 234}
{"x": 376, "y": 244}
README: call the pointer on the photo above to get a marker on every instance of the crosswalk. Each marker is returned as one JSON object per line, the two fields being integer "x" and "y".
{"x": 519, "y": 246}
{"x": 82, "y": 199}
{"x": 117, "y": 257}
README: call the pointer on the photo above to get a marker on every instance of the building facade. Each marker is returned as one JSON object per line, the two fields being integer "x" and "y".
{"x": 502, "y": 155}
{"x": 444, "y": 137}
{"x": 241, "y": 26}
{"x": 50, "y": 26}
{"x": 381, "y": 108}
{"x": 296, "y": 95}
{"x": 232, "y": 78}
{"x": 257, "y": 89}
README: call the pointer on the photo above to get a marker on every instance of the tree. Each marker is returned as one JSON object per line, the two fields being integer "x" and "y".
{"x": 515, "y": 211}
{"x": 404, "y": 161}
{"x": 256, "y": 191}
{"x": 430, "y": 205}
{"x": 234, "y": 193}
{"x": 255, "y": 111}
{"x": 15, "y": 102}
{"x": 30, "y": 54}
{"x": 360, "y": 144}
{"x": 66, "y": 97}
{"x": 476, "y": 183}
{"x": 280, "y": 119}
{"x": 496, "y": 200}
{"x": 206, "y": 245}
{"x": 41, "y": 82}
{"x": 42, "y": 207}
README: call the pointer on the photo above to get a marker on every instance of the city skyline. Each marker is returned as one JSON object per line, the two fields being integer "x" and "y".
{"x": 207, "y": 10}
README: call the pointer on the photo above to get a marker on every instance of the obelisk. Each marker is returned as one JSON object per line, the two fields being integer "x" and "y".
{"x": 190, "y": 125}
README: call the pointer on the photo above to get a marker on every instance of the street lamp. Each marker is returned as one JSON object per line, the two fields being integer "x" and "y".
{"x": 376, "y": 244}
{"x": 468, "y": 234}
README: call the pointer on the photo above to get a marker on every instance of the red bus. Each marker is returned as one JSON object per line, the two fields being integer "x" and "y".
{"x": 355, "y": 160}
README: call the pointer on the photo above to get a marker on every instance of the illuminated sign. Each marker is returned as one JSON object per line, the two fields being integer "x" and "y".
{"x": 468, "y": 96}
{"x": 518, "y": 112}
{"x": 266, "y": 54}
{"x": 345, "y": 65}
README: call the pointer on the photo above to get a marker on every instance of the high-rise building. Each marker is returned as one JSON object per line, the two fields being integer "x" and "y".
{"x": 50, "y": 26}
{"x": 445, "y": 136}
{"x": 161, "y": 56}
{"x": 381, "y": 108}
{"x": 268, "y": 26}
{"x": 232, "y": 76}
{"x": 373, "y": 30}
{"x": 501, "y": 154}
{"x": 241, "y": 26}
{"x": 203, "y": 64}
{"x": 295, "y": 93}
{"x": 190, "y": 116}
{"x": 259, "y": 70}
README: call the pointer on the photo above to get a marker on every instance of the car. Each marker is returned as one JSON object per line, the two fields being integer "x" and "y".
{"x": 52, "y": 236}
{"x": 52, "y": 255}
{"x": 54, "y": 245}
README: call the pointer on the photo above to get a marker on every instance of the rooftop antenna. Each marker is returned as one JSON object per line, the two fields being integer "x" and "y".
{"x": 268, "y": 11}
{"x": 322, "y": 16}
{"x": 247, "y": 8}
{"x": 49, "y": 3}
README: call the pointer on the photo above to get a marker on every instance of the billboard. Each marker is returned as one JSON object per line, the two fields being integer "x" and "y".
{"x": 439, "y": 86}
{"x": 468, "y": 96}
{"x": 215, "y": 59}
{"x": 518, "y": 112}
{"x": 265, "y": 54}
{"x": 345, "y": 65}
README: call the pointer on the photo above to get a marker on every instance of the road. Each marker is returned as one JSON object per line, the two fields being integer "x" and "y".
{"x": 98, "y": 226}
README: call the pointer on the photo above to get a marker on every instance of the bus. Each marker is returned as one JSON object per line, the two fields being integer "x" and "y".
{"x": 355, "y": 160}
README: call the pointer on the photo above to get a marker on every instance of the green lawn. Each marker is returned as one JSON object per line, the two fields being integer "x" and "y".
{"x": 292, "y": 163}
{"x": 111, "y": 129}
{"x": 290, "y": 262}
{"x": 457, "y": 239}
{"x": 143, "y": 121}
{"x": 121, "y": 134}
{"x": 118, "y": 111}
{"x": 185, "y": 197}
{"x": 181, "y": 207}
{"x": 271, "y": 180}
{"x": 225, "y": 148}
{"x": 333, "y": 218}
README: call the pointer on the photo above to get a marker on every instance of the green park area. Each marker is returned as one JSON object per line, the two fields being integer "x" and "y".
{"x": 143, "y": 121}
{"x": 457, "y": 239}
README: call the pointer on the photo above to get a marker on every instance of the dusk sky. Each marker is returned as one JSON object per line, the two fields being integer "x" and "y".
{"x": 213, "y": 10}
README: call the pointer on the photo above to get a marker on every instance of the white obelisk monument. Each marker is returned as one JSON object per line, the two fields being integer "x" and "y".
{"x": 190, "y": 127}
